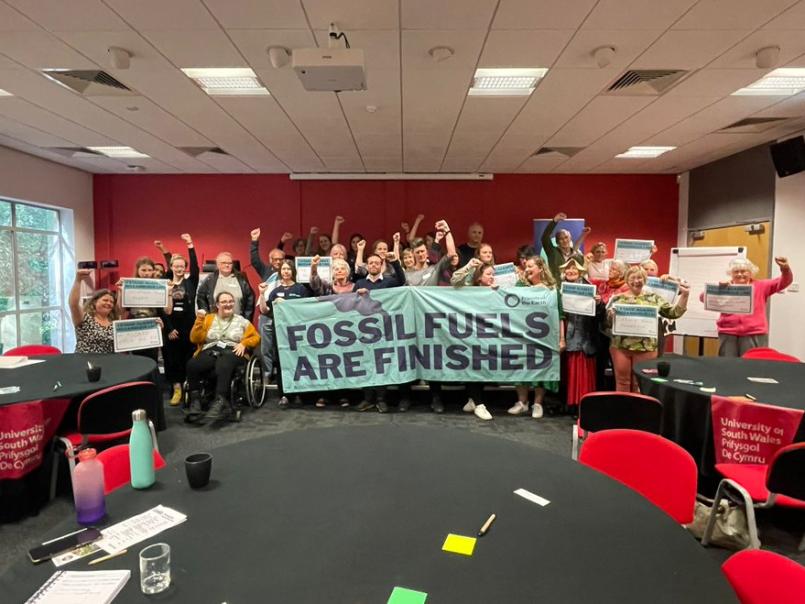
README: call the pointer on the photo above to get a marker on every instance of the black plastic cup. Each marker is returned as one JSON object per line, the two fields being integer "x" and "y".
{"x": 663, "y": 368}
{"x": 93, "y": 374}
{"x": 198, "y": 467}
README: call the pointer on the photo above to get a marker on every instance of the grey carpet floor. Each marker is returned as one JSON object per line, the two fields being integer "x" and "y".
{"x": 781, "y": 530}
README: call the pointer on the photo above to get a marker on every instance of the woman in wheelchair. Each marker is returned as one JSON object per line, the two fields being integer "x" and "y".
{"x": 224, "y": 342}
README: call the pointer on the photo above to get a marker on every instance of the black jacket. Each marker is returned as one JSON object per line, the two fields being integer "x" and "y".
{"x": 205, "y": 298}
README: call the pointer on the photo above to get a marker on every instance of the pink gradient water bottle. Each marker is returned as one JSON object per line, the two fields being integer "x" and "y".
{"x": 90, "y": 505}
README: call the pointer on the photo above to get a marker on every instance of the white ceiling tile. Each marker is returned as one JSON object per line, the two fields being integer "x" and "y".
{"x": 39, "y": 50}
{"x": 76, "y": 15}
{"x": 714, "y": 82}
{"x": 262, "y": 14}
{"x": 627, "y": 44}
{"x": 94, "y": 45}
{"x": 598, "y": 117}
{"x": 524, "y": 48}
{"x": 30, "y": 135}
{"x": 636, "y": 14}
{"x": 352, "y": 14}
{"x": 541, "y": 14}
{"x": 731, "y": 14}
{"x": 686, "y": 49}
{"x": 13, "y": 20}
{"x": 792, "y": 18}
{"x": 742, "y": 55}
{"x": 196, "y": 49}
{"x": 156, "y": 15}
{"x": 253, "y": 43}
{"x": 793, "y": 106}
{"x": 542, "y": 163}
{"x": 447, "y": 14}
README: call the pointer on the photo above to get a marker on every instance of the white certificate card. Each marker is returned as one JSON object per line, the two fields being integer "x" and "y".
{"x": 145, "y": 293}
{"x": 136, "y": 334}
{"x": 634, "y": 320}
{"x": 271, "y": 282}
{"x": 667, "y": 290}
{"x": 633, "y": 251}
{"x": 505, "y": 275}
{"x": 578, "y": 298}
{"x": 303, "y": 264}
{"x": 732, "y": 299}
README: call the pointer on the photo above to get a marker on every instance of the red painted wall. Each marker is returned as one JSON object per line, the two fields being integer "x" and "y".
{"x": 220, "y": 210}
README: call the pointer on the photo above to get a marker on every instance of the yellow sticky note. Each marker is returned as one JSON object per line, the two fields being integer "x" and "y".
{"x": 459, "y": 544}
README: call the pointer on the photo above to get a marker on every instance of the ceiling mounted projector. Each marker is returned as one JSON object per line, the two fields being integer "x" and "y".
{"x": 330, "y": 69}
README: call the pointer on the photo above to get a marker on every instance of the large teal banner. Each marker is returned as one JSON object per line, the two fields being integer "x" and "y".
{"x": 403, "y": 334}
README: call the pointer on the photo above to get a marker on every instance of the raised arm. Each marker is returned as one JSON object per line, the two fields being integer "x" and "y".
{"x": 312, "y": 243}
{"x": 584, "y": 232}
{"x": 254, "y": 254}
{"x": 548, "y": 232}
{"x": 191, "y": 256}
{"x": 396, "y": 247}
{"x": 449, "y": 242}
{"x": 411, "y": 235}
{"x": 399, "y": 274}
{"x": 359, "y": 255}
{"x": 339, "y": 220}
{"x": 74, "y": 299}
{"x": 261, "y": 297}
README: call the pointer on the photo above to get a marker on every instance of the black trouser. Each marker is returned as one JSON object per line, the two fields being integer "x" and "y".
{"x": 475, "y": 391}
{"x": 405, "y": 390}
{"x": 215, "y": 360}
{"x": 375, "y": 394}
{"x": 175, "y": 354}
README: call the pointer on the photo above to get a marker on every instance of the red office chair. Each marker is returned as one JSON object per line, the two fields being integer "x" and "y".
{"x": 104, "y": 417}
{"x": 31, "y": 350}
{"x": 769, "y": 354}
{"x": 781, "y": 482}
{"x": 761, "y": 577}
{"x": 117, "y": 468}
{"x": 660, "y": 470}
{"x": 609, "y": 410}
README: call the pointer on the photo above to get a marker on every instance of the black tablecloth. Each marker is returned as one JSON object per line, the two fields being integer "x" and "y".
{"x": 19, "y": 497}
{"x": 686, "y": 408}
{"x": 347, "y": 514}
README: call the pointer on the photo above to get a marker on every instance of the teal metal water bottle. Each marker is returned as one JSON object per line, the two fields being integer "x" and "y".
{"x": 141, "y": 451}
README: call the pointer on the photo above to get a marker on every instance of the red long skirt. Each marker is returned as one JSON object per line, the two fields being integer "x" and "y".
{"x": 579, "y": 376}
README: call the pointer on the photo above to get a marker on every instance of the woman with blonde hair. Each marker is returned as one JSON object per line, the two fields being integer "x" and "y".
{"x": 93, "y": 320}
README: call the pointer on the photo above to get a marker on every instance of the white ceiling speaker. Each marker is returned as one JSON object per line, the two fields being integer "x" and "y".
{"x": 603, "y": 55}
{"x": 441, "y": 53}
{"x": 767, "y": 57}
{"x": 279, "y": 56}
{"x": 120, "y": 58}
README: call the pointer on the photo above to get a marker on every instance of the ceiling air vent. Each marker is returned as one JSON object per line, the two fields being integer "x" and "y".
{"x": 196, "y": 151}
{"x": 646, "y": 82}
{"x": 88, "y": 82}
{"x": 752, "y": 125}
{"x": 566, "y": 151}
{"x": 74, "y": 152}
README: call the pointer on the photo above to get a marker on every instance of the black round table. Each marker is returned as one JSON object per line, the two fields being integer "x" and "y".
{"x": 686, "y": 408}
{"x": 346, "y": 514}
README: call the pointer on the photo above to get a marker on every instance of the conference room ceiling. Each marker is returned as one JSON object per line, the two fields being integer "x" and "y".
{"x": 424, "y": 119}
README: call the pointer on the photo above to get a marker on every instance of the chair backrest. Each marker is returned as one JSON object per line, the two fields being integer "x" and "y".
{"x": 761, "y": 577}
{"x": 786, "y": 471}
{"x": 769, "y": 354}
{"x": 660, "y": 470}
{"x": 609, "y": 410}
{"x": 117, "y": 469}
{"x": 31, "y": 350}
{"x": 109, "y": 410}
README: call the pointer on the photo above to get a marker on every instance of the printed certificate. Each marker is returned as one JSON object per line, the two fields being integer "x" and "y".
{"x": 145, "y": 293}
{"x": 732, "y": 299}
{"x": 667, "y": 290}
{"x": 578, "y": 298}
{"x": 136, "y": 334}
{"x": 635, "y": 321}
{"x": 272, "y": 282}
{"x": 633, "y": 251}
{"x": 303, "y": 264}
{"x": 505, "y": 275}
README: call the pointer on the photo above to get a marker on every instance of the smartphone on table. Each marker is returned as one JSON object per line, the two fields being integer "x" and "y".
{"x": 59, "y": 545}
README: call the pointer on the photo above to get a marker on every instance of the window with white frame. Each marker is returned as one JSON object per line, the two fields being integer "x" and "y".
{"x": 35, "y": 248}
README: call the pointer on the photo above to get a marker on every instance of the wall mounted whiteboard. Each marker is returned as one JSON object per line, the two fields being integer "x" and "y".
{"x": 700, "y": 265}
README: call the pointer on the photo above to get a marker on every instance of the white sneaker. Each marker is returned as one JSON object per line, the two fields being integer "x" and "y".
{"x": 482, "y": 413}
{"x": 536, "y": 411}
{"x": 518, "y": 408}
{"x": 470, "y": 406}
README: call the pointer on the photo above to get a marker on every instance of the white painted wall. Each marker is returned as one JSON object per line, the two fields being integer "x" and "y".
{"x": 787, "y": 328}
{"x": 27, "y": 178}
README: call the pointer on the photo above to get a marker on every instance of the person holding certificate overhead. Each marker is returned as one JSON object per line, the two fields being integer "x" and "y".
{"x": 737, "y": 333}
{"x": 224, "y": 340}
{"x": 634, "y": 330}
{"x": 136, "y": 296}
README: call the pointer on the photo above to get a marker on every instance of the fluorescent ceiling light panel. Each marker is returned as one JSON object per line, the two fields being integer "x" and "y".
{"x": 780, "y": 82}
{"x": 227, "y": 81}
{"x": 644, "y": 152}
{"x": 5, "y": 93}
{"x": 117, "y": 152}
{"x": 506, "y": 81}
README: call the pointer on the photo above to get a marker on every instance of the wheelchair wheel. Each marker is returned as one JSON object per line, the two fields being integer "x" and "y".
{"x": 255, "y": 392}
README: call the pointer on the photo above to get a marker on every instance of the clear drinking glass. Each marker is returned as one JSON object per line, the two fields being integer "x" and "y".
{"x": 155, "y": 568}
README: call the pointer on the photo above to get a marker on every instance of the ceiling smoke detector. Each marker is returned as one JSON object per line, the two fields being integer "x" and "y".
{"x": 603, "y": 55}
{"x": 441, "y": 53}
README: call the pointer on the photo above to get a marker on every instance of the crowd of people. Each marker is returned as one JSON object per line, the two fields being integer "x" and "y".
{"x": 208, "y": 325}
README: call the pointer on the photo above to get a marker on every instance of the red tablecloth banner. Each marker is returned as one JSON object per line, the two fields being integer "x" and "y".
{"x": 25, "y": 429}
{"x": 750, "y": 432}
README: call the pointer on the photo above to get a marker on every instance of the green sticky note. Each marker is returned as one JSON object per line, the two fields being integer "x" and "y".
{"x": 458, "y": 544}
{"x": 402, "y": 595}
{"x": 658, "y": 379}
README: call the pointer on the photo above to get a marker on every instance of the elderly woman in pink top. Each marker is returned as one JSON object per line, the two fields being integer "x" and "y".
{"x": 739, "y": 333}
